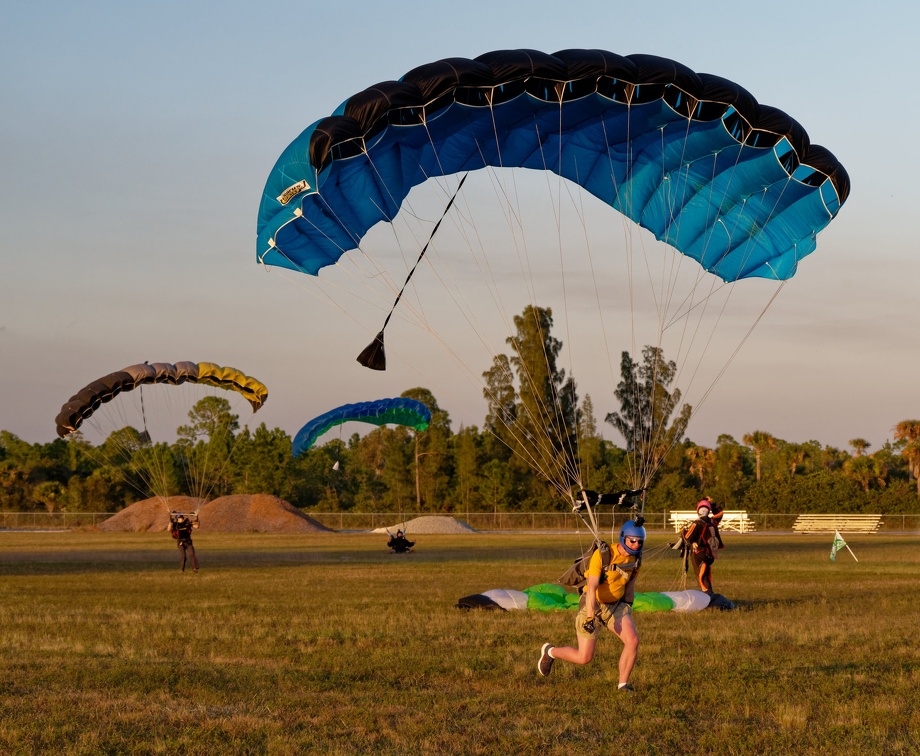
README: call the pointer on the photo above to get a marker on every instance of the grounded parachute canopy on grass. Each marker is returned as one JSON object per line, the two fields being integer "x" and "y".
{"x": 693, "y": 158}
{"x": 398, "y": 411}
{"x": 550, "y": 597}
{"x": 86, "y": 401}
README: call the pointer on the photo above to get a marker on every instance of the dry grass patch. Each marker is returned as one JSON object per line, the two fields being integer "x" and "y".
{"x": 328, "y": 643}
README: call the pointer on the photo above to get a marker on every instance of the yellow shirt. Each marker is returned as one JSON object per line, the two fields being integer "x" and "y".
{"x": 613, "y": 587}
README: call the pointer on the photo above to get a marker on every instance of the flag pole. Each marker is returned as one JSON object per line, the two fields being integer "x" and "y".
{"x": 838, "y": 544}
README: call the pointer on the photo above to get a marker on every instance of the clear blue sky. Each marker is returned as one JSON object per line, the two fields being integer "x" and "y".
{"x": 136, "y": 139}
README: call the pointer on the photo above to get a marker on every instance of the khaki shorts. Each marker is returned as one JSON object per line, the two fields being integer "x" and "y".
{"x": 608, "y": 614}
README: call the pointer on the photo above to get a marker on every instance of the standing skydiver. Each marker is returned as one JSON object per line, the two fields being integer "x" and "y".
{"x": 704, "y": 540}
{"x": 181, "y": 529}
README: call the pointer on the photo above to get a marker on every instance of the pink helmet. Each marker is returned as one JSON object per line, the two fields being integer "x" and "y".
{"x": 704, "y": 503}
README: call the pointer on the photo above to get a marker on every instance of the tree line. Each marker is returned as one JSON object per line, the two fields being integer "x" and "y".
{"x": 537, "y": 440}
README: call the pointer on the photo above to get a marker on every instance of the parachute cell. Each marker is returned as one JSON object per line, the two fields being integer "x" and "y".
{"x": 693, "y": 158}
{"x": 397, "y": 411}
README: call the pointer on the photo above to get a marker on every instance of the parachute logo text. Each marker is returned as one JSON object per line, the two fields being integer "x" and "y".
{"x": 292, "y": 191}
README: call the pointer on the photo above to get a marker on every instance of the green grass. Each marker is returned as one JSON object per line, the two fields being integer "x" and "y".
{"x": 329, "y": 644}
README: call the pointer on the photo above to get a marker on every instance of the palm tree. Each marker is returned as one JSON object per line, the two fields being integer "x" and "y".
{"x": 702, "y": 462}
{"x": 908, "y": 432}
{"x": 759, "y": 441}
{"x": 865, "y": 471}
{"x": 859, "y": 445}
{"x": 794, "y": 455}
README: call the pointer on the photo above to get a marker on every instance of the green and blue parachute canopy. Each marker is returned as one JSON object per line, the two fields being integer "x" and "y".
{"x": 692, "y": 157}
{"x": 397, "y": 411}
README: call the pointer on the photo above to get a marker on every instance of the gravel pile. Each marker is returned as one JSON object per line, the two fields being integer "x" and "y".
{"x": 256, "y": 513}
{"x": 429, "y": 525}
{"x": 150, "y": 514}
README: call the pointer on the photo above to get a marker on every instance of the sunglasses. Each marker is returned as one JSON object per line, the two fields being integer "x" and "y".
{"x": 634, "y": 540}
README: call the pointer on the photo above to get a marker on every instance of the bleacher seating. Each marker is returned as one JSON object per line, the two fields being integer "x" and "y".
{"x": 844, "y": 523}
{"x": 736, "y": 520}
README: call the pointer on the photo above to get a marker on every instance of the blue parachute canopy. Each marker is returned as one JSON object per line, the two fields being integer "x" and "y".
{"x": 693, "y": 158}
{"x": 398, "y": 411}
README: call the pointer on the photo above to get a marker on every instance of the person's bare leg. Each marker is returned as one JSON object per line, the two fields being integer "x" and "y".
{"x": 581, "y": 655}
{"x": 625, "y": 630}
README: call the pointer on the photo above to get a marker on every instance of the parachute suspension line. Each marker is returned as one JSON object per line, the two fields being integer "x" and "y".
{"x": 376, "y": 272}
{"x": 582, "y": 507}
{"x": 373, "y": 356}
{"x": 722, "y": 310}
{"x": 526, "y": 450}
{"x": 453, "y": 291}
{"x": 714, "y": 286}
{"x": 481, "y": 261}
{"x": 663, "y": 294}
{"x": 515, "y": 227}
{"x": 577, "y": 201}
{"x": 204, "y": 466}
{"x": 534, "y": 462}
{"x": 533, "y": 446}
{"x": 391, "y": 219}
{"x": 649, "y": 452}
{"x": 744, "y": 339}
{"x": 627, "y": 242}
{"x": 580, "y": 209}
{"x": 574, "y": 440}
{"x": 567, "y": 444}
{"x": 323, "y": 292}
{"x": 635, "y": 443}
{"x": 570, "y": 440}
{"x": 676, "y": 194}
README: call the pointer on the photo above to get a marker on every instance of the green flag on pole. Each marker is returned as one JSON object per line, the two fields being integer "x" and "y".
{"x": 838, "y": 544}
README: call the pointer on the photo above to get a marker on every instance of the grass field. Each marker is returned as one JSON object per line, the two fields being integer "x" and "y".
{"x": 329, "y": 644}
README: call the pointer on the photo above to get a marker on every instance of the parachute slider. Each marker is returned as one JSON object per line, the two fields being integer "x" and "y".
{"x": 615, "y": 499}
{"x": 373, "y": 356}
{"x": 174, "y": 515}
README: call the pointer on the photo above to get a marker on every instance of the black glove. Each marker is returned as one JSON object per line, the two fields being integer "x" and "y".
{"x": 588, "y": 625}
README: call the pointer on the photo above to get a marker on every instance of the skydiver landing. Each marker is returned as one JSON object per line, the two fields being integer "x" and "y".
{"x": 607, "y": 601}
{"x": 181, "y": 529}
{"x": 399, "y": 544}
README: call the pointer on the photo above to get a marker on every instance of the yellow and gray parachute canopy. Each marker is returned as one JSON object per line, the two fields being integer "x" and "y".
{"x": 86, "y": 401}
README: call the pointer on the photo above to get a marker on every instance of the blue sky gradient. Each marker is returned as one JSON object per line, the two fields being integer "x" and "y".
{"x": 136, "y": 140}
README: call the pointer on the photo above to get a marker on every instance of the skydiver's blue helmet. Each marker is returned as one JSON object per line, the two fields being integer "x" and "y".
{"x": 632, "y": 530}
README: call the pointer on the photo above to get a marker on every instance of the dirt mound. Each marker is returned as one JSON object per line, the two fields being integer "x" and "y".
{"x": 429, "y": 525}
{"x": 256, "y": 513}
{"x": 150, "y": 514}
